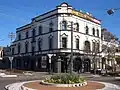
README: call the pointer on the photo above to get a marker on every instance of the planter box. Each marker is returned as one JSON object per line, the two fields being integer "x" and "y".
{"x": 65, "y": 85}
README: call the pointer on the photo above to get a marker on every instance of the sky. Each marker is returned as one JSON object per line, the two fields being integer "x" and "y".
{"x": 16, "y": 13}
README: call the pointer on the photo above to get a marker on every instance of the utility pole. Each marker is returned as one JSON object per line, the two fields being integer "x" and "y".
{"x": 11, "y": 36}
{"x": 71, "y": 57}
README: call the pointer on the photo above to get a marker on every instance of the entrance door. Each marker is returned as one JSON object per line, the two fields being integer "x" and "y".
{"x": 77, "y": 64}
{"x": 87, "y": 65}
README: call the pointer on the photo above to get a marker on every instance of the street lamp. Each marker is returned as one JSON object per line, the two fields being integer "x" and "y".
{"x": 112, "y": 11}
{"x": 71, "y": 56}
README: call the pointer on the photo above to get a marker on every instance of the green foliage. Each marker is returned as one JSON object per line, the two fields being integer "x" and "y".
{"x": 65, "y": 79}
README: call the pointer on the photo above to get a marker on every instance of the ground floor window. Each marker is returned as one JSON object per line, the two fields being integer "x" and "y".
{"x": 44, "y": 62}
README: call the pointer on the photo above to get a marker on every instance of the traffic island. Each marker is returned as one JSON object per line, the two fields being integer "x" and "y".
{"x": 63, "y": 81}
{"x": 38, "y": 86}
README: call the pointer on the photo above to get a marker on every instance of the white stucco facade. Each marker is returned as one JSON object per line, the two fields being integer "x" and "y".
{"x": 64, "y": 14}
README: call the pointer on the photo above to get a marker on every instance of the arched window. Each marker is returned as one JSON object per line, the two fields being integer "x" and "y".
{"x": 77, "y": 27}
{"x": 87, "y": 46}
{"x": 98, "y": 32}
{"x": 40, "y": 30}
{"x": 64, "y": 25}
{"x": 93, "y": 31}
{"x": 86, "y": 30}
{"x": 51, "y": 27}
{"x": 19, "y": 47}
{"x": 26, "y": 47}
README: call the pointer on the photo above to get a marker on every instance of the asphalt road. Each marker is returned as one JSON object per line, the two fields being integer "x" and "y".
{"x": 6, "y": 81}
{"x": 106, "y": 79}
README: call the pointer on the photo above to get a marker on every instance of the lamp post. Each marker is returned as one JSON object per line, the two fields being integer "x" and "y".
{"x": 11, "y": 36}
{"x": 71, "y": 57}
{"x": 112, "y": 11}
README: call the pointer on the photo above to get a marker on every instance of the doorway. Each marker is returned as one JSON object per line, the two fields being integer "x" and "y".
{"x": 87, "y": 65}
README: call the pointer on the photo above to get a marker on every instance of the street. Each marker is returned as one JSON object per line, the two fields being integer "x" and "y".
{"x": 6, "y": 81}
{"x": 106, "y": 79}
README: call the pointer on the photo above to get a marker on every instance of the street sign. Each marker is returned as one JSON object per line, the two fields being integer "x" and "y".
{"x": 10, "y": 58}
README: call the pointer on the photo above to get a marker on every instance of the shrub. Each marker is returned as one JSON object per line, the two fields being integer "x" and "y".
{"x": 65, "y": 79}
{"x": 14, "y": 70}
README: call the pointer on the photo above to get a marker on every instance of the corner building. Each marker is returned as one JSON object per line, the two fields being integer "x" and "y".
{"x": 46, "y": 42}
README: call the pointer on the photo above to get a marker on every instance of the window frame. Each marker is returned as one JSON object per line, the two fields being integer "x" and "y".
{"x": 64, "y": 42}
{"x": 93, "y": 31}
{"x": 64, "y": 25}
{"x": 40, "y": 44}
{"x": 40, "y": 29}
{"x": 51, "y": 43}
{"x": 77, "y": 27}
{"x": 87, "y": 30}
{"x": 77, "y": 43}
{"x": 51, "y": 27}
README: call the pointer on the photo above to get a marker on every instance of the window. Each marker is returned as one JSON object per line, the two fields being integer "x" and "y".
{"x": 27, "y": 34}
{"x": 19, "y": 36}
{"x": 64, "y": 25}
{"x": 93, "y": 31}
{"x": 102, "y": 36}
{"x": 40, "y": 30}
{"x": 98, "y": 47}
{"x": 33, "y": 32}
{"x": 87, "y": 29}
{"x": 50, "y": 43}
{"x": 33, "y": 48}
{"x": 26, "y": 47}
{"x": 33, "y": 35}
{"x": 93, "y": 46}
{"x": 87, "y": 46}
{"x": 19, "y": 47}
{"x": 13, "y": 51}
{"x": 39, "y": 45}
{"x": 26, "y": 63}
{"x": 77, "y": 43}
{"x": 77, "y": 27}
{"x": 51, "y": 27}
{"x": 64, "y": 42}
{"x": 98, "y": 32}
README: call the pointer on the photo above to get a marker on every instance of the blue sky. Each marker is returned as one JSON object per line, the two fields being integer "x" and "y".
{"x": 16, "y": 13}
